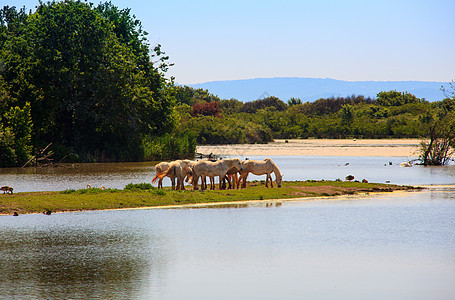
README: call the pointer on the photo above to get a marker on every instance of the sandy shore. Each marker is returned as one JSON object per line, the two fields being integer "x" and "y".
{"x": 322, "y": 147}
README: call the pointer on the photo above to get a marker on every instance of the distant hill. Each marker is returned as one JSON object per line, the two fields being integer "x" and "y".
{"x": 310, "y": 89}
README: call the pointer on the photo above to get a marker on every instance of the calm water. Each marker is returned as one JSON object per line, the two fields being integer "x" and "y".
{"x": 393, "y": 246}
{"x": 117, "y": 175}
{"x": 387, "y": 247}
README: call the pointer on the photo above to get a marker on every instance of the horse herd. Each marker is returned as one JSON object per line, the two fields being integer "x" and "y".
{"x": 233, "y": 171}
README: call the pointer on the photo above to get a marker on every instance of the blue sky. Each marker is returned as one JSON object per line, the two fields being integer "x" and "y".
{"x": 346, "y": 40}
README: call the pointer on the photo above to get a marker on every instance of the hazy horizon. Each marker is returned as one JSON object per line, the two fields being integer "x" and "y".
{"x": 350, "y": 40}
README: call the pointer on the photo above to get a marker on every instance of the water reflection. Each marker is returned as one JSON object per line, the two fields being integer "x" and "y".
{"x": 395, "y": 245}
{"x": 77, "y": 256}
{"x": 77, "y": 176}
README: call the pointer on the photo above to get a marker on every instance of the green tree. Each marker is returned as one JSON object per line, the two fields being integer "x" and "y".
{"x": 439, "y": 147}
{"x": 88, "y": 75}
{"x": 394, "y": 98}
{"x": 294, "y": 101}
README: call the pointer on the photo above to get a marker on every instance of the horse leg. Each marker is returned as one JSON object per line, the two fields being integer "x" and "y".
{"x": 243, "y": 176}
{"x": 194, "y": 181}
{"x": 235, "y": 180}
{"x": 204, "y": 182}
{"x": 271, "y": 181}
{"x": 212, "y": 182}
{"x": 229, "y": 179}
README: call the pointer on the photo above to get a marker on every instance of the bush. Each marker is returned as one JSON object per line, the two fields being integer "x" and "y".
{"x": 169, "y": 146}
{"x": 139, "y": 186}
{"x": 206, "y": 109}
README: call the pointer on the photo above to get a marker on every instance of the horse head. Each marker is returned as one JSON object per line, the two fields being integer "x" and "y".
{"x": 278, "y": 180}
{"x": 238, "y": 164}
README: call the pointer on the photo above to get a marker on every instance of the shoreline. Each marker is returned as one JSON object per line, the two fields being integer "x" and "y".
{"x": 321, "y": 147}
{"x": 81, "y": 200}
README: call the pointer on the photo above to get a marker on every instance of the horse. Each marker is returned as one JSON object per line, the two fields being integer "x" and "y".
{"x": 160, "y": 168}
{"x": 212, "y": 169}
{"x": 260, "y": 167}
{"x": 232, "y": 178}
{"x": 178, "y": 169}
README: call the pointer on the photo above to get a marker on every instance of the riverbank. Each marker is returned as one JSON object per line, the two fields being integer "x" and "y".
{"x": 321, "y": 147}
{"x": 97, "y": 199}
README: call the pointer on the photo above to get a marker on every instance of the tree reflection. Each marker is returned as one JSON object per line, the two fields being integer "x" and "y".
{"x": 79, "y": 263}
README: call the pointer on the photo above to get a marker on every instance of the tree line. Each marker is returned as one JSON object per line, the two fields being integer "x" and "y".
{"x": 84, "y": 78}
{"x": 391, "y": 114}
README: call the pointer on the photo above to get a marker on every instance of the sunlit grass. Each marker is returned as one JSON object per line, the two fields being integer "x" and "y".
{"x": 145, "y": 195}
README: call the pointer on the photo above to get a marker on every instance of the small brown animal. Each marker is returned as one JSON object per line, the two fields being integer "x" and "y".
{"x": 350, "y": 177}
{"x": 6, "y": 189}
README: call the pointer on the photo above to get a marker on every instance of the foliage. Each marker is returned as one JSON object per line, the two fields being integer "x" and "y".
{"x": 269, "y": 102}
{"x": 139, "y": 186}
{"x": 180, "y": 143}
{"x": 230, "y": 106}
{"x": 294, "y": 101}
{"x": 439, "y": 148}
{"x": 227, "y": 130}
{"x": 15, "y": 136}
{"x": 206, "y": 109}
{"x": 341, "y": 117}
{"x": 94, "y": 86}
{"x": 394, "y": 98}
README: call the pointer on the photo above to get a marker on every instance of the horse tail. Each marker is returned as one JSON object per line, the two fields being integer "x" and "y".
{"x": 170, "y": 171}
{"x": 158, "y": 170}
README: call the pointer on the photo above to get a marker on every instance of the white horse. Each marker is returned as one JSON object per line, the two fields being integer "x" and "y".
{"x": 178, "y": 169}
{"x": 161, "y": 168}
{"x": 212, "y": 169}
{"x": 260, "y": 167}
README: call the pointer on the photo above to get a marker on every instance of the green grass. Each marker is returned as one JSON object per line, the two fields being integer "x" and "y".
{"x": 145, "y": 195}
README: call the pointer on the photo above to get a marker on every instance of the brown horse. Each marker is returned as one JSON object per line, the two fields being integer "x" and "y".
{"x": 260, "y": 167}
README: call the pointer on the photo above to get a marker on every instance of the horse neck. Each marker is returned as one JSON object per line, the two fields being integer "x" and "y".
{"x": 276, "y": 170}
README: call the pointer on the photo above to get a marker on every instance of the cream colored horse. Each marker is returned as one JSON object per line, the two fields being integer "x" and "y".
{"x": 178, "y": 169}
{"x": 260, "y": 167}
{"x": 213, "y": 169}
{"x": 160, "y": 168}
{"x": 232, "y": 178}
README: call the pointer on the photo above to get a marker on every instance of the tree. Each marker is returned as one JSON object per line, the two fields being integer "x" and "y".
{"x": 294, "y": 101}
{"x": 394, "y": 98}
{"x": 254, "y": 106}
{"x": 438, "y": 149}
{"x": 206, "y": 109}
{"x": 89, "y": 77}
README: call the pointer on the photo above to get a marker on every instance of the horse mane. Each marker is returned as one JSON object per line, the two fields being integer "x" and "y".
{"x": 275, "y": 168}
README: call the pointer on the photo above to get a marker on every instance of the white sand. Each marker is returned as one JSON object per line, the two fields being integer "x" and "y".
{"x": 322, "y": 147}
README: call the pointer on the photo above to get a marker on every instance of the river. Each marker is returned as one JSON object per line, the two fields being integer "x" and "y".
{"x": 389, "y": 246}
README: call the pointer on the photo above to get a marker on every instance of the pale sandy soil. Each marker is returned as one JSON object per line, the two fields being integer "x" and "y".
{"x": 322, "y": 147}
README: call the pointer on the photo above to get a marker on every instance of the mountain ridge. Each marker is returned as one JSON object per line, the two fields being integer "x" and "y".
{"x": 310, "y": 89}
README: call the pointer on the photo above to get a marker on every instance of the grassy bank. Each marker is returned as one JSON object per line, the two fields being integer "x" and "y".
{"x": 144, "y": 195}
